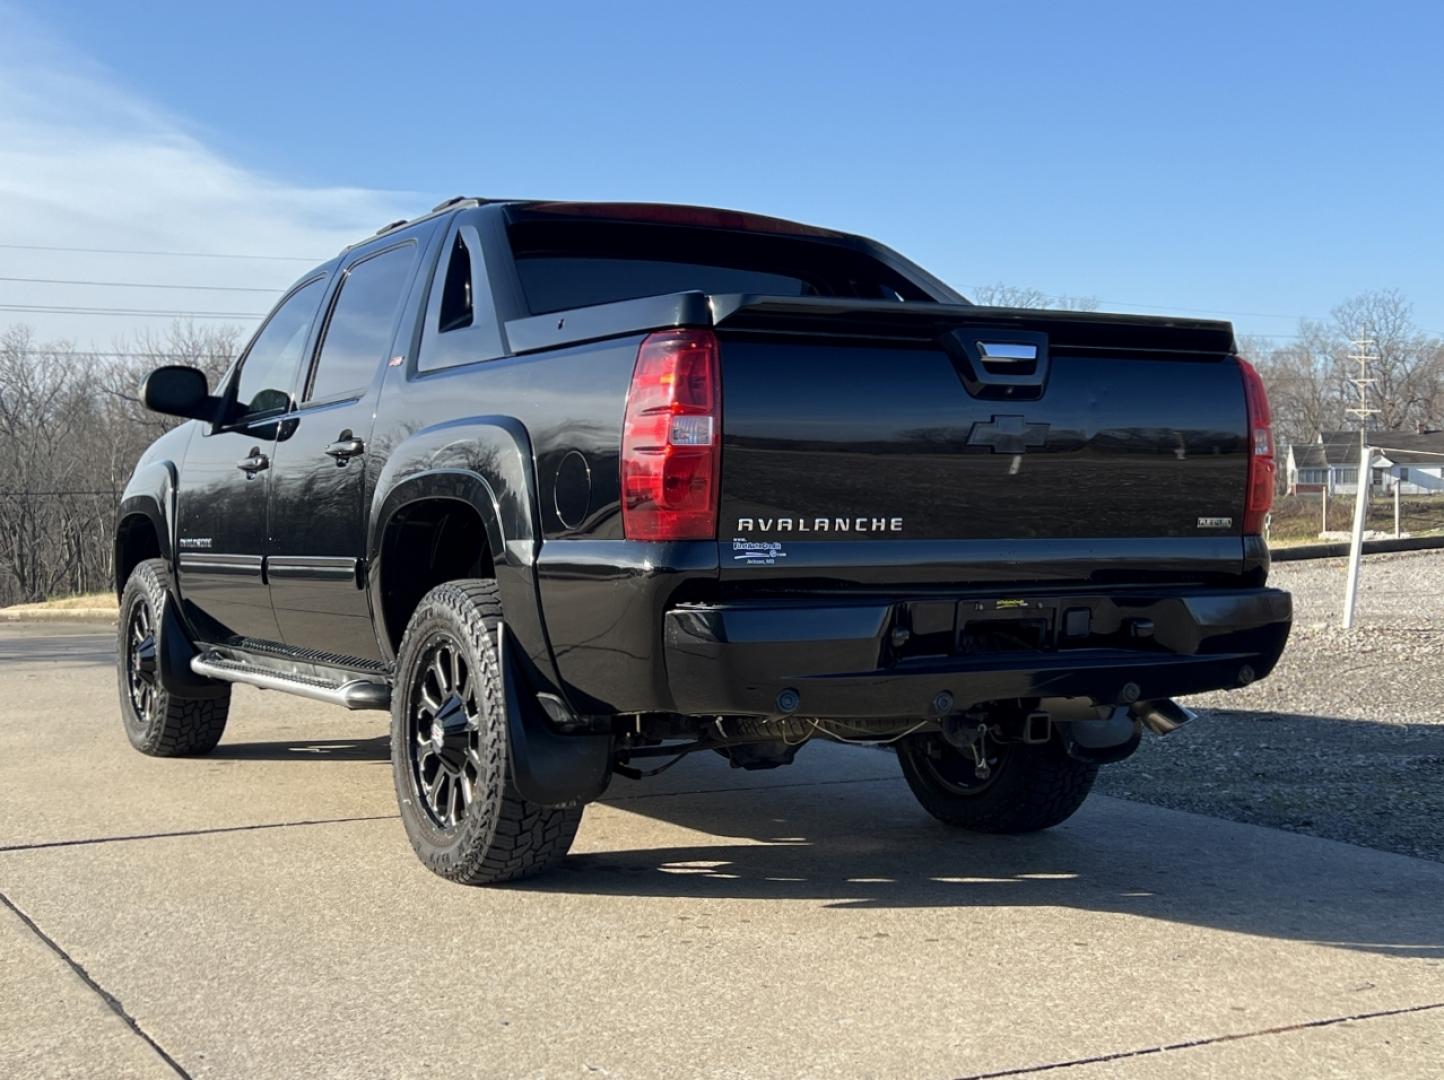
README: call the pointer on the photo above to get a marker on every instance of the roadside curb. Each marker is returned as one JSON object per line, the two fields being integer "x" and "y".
{"x": 1371, "y": 547}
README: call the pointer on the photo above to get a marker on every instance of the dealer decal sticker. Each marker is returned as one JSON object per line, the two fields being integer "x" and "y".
{"x": 757, "y": 552}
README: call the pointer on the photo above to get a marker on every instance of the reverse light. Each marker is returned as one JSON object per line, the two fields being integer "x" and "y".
{"x": 1262, "y": 465}
{"x": 671, "y": 435}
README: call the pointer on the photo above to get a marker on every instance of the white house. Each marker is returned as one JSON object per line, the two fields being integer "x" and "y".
{"x": 1415, "y": 463}
{"x": 1412, "y": 462}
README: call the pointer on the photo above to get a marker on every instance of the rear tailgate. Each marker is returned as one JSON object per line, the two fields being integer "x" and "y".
{"x": 867, "y": 442}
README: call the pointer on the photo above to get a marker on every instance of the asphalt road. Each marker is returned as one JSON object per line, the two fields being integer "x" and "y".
{"x": 259, "y": 913}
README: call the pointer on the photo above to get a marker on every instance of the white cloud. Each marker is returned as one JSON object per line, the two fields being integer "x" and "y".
{"x": 86, "y": 163}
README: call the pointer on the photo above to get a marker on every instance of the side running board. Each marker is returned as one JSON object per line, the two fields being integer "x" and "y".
{"x": 350, "y": 692}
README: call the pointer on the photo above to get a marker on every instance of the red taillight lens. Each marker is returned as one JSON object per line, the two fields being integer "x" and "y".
{"x": 1261, "y": 464}
{"x": 671, "y": 439}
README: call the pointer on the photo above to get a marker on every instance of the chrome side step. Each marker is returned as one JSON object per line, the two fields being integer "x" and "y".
{"x": 353, "y": 693}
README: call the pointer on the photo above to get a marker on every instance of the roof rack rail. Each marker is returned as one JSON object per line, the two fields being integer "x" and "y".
{"x": 391, "y": 226}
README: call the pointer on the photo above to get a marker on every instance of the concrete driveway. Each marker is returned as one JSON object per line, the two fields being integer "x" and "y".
{"x": 259, "y": 913}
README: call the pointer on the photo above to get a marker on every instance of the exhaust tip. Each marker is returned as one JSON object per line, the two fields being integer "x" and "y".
{"x": 1162, "y": 716}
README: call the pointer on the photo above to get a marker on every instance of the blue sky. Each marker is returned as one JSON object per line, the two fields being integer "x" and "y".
{"x": 1262, "y": 161}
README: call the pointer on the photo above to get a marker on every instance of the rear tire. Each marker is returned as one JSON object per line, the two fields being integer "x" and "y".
{"x": 158, "y": 722}
{"x": 1032, "y": 787}
{"x": 449, "y": 748}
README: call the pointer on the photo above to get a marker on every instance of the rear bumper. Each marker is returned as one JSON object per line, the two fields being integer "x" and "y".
{"x": 893, "y": 658}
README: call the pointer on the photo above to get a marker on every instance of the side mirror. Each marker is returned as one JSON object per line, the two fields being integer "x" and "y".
{"x": 178, "y": 391}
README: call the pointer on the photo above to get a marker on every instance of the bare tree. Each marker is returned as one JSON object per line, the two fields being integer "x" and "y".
{"x": 1304, "y": 391}
{"x": 1406, "y": 372}
{"x": 1014, "y": 296}
{"x": 71, "y": 430}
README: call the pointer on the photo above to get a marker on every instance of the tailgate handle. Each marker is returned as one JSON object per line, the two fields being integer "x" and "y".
{"x": 999, "y": 364}
{"x": 1007, "y": 352}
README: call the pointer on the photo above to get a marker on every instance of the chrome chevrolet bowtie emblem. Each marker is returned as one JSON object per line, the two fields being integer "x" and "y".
{"x": 1008, "y": 435}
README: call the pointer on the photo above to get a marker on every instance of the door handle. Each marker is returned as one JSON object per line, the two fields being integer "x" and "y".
{"x": 345, "y": 448}
{"x": 253, "y": 463}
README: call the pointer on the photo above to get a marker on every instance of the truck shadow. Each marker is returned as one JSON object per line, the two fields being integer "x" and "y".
{"x": 375, "y": 749}
{"x": 863, "y": 843}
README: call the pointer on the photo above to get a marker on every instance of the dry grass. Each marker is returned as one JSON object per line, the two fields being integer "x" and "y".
{"x": 1296, "y": 518}
{"x": 88, "y": 601}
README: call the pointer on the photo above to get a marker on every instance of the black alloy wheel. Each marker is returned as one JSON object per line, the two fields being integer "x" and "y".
{"x": 140, "y": 660}
{"x": 954, "y": 771}
{"x": 450, "y": 747}
{"x": 1029, "y": 786}
{"x": 445, "y": 732}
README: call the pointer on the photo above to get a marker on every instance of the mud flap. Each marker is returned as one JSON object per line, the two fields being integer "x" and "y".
{"x": 547, "y": 767}
{"x": 174, "y": 653}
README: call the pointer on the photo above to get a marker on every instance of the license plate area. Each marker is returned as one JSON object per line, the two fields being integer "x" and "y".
{"x": 936, "y": 628}
{"x": 1006, "y": 625}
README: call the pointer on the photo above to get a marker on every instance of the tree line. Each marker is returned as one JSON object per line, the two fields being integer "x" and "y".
{"x": 72, "y": 426}
{"x": 1308, "y": 378}
{"x": 71, "y": 430}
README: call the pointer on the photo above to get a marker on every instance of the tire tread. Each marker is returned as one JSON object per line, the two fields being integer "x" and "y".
{"x": 522, "y": 838}
{"x": 184, "y": 727}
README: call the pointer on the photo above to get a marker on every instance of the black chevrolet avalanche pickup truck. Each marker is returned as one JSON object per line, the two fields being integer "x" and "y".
{"x": 575, "y": 489}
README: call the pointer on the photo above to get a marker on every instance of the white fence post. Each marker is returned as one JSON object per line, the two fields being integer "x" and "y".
{"x": 1356, "y": 549}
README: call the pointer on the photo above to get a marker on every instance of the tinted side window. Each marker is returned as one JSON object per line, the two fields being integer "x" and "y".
{"x": 269, "y": 369}
{"x": 461, "y": 323}
{"x": 457, "y": 308}
{"x": 363, "y": 318}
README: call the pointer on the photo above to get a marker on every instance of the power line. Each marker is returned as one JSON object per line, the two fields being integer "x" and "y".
{"x": 52, "y": 310}
{"x": 141, "y": 285}
{"x": 167, "y": 254}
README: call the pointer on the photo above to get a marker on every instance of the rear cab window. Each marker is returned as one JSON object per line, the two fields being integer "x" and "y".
{"x": 565, "y": 263}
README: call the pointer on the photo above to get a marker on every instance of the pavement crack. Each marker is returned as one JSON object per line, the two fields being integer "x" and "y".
{"x": 111, "y": 1001}
{"x": 1192, "y": 1044}
{"x": 44, "y": 844}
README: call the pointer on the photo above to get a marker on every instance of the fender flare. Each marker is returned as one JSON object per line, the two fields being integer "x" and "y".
{"x": 486, "y": 463}
{"x": 149, "y": 494}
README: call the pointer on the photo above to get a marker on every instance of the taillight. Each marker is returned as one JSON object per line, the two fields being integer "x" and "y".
{"x": 671, "y": 439}
{"x": 1261, "y": 463}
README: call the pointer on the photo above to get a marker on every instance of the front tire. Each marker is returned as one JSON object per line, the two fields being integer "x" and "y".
{"x": 1031, "y": 786}
{"x": 158, "y": 722}
{"x": 449, "y": 748}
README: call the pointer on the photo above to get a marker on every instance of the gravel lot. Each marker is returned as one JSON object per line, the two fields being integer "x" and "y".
{"x": 1345, "y": 740}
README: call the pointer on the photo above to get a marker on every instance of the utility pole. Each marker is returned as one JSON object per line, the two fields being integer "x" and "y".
{"x": 1364, "y": 354}
{"x": 1356, "y": 549}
